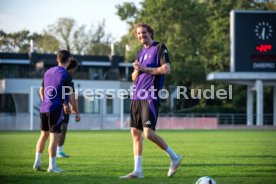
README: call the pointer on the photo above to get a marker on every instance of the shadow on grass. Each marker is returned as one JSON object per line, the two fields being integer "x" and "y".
{"x": 64, "y": 178}
{"x": 231, "y": 165}
{"x": 254, "y": 156}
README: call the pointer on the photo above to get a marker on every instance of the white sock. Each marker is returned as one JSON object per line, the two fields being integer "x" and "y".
{"x": 52, "y": 162}
{"x": 171, "y": 154}
{"x": 138, "y": 164}
{"x": 37, "y": 158}
{"x": 59, "y": 148}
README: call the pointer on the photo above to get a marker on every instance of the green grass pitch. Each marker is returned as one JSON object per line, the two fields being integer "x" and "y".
{"x": 229, "y": 156}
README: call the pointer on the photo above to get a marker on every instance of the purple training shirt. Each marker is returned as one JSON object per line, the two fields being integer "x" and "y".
{"x": 54, "y": 79}
{"x": 146, "y": 86}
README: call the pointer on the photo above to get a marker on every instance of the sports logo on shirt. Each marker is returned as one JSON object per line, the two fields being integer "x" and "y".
{"x": 145, "y": 57}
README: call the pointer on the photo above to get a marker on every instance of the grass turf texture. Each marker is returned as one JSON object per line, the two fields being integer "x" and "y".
{"x": 229, "y": 156}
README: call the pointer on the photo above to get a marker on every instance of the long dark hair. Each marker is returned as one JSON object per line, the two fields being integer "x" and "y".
{"x": 73, "y": 64}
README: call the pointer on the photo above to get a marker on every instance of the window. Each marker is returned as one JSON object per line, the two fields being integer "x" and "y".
{"x": 127, "y": 105}
{"x": 91, "y": 106}
{"x": 95, "y": 73}
{"x": 109, "y": 106}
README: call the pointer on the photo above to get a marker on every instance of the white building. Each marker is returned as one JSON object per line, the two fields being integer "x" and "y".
{"x": 21, "y": 75}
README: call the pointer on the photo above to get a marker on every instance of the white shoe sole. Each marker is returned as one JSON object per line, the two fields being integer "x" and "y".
{"x": 171, "y": 173}
{"x": 132, "y": 176}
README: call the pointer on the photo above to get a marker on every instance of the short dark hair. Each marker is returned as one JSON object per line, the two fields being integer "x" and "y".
{"x": 63, "y": 56}
{"x": 148, "y": 27}
{"x": 73, "y": 64}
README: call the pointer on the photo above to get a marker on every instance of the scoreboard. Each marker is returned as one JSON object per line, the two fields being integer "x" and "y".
{"x": 253, "y": 41}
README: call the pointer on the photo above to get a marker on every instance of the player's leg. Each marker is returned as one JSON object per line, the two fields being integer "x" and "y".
{"x": 41, "y": 141}
{"x": 137, "y": 149}
{"x": 137, "y": 152}
{"x": 55, "y": 120}
{"x": 159, "y": 141}
{"x": 61, "y": 141}
{"x": 62, "y": 135}
{"x": 153, "y": 137}
{"x": 39, "y": 149}
{"x": 44, "y": 134}
{"x": 52, "y": 150}
{"x": 149, "y": 119}
{"x": 136, "y": 133}
{"x": 175, "y": 158}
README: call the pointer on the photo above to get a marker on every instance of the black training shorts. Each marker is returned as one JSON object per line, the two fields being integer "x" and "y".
{"x": 51, "y": 121}
{"x": 143, "y": 113}
{"x": 65, "y": 119}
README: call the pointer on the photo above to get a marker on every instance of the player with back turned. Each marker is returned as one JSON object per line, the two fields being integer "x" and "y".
{"x": 73, "y": 103}
{"x": 52, "y": 111}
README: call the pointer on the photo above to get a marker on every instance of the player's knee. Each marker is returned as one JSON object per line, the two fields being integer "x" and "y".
{"x": 136, "y": 137}
{"x": 44, "y": 135}
{"x": 136, "y": 132}
{"x": 149, "y": 136}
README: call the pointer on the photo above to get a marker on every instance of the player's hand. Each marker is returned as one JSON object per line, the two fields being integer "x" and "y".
{"x": 138, "y": 66}
{"x": 78, "y": 117}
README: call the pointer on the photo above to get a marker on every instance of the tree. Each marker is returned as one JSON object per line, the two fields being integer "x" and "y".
{"x": 45, "y": 43}
{"x": 62, "y": 29}
{"x": 99, "y": 41}
{"x": 21, "y": 42}
{"x": 127, "y": 11}
{"x": 63, "y": 34}
{"x": 15, "y": 42}
{"x": 79, "y": 40}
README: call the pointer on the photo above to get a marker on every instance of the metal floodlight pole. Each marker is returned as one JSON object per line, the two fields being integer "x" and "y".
{"x": 112, "y": 46}
{"x": 31, "y": 106}
{"x": 122, "y": 113}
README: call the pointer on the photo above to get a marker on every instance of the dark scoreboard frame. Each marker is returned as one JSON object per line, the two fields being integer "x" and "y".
{"x": 253, "y": 41}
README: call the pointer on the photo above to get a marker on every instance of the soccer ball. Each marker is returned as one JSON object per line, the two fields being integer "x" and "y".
{"x": 205, "y": 180}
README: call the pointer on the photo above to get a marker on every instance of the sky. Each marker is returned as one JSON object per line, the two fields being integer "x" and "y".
{"x": 36, "y": 15}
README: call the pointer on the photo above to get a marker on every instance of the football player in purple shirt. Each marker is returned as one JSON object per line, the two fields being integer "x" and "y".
{"x": 52, "y": 110}
{"x": 151, "y": 66}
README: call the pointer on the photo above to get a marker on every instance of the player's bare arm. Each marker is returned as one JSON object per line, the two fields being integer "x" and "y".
{"x": 162, "y": 70}
{"x": 74, "y": 103}
{"x": 41, "y": 93}
{"x": 165, "y": 69}
{"x": 134, "y": 75}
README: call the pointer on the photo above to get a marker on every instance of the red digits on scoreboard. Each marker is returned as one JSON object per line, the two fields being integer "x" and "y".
{"x": 264, "y": 47}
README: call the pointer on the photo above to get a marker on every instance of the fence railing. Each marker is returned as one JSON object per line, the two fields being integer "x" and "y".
{"x": 227, "y": 119}
{"x": 21, "y": 121}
